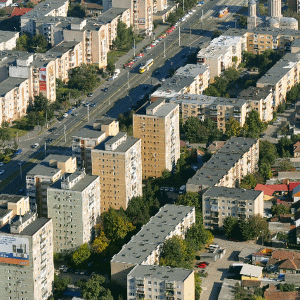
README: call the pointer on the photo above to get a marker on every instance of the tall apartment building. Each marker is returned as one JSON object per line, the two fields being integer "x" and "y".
{"x": 8, "y": 40}
{"x": 155, "y": 282}
{"x": 237, "y": 158}
{"x": 89, "y": 137}
{"x": 158, "y": 128}
{"x": 42, "y": 175}
{"x": 220, "y": 52}
{"x": 282, "y": 77}
{"x": 159, "y": 5}
{"x": 26, "y": 251}
{"x": 190, "y": 79}
{"x": 260, "y": 100}
{"x": 74, "y": 207}
{"x": 117, "y": 161}
{"x": 144, "y": 248}
{"x": 221, "y": 202}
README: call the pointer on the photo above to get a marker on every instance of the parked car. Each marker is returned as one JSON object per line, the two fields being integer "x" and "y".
{"x": 93, "y": 104}
{"x": 202, "y": 265}
{"x": 65, "y": 115}
{"x": 36, "y": 145}
{"x": 19, "y": 151}
{"x": 49, "y": 140}
{"x": 75, "y": 114}
{"x": 105, "y": 89}
{"x": 1, "y": 163}
{"x": 1, "y": 172}
{"x": 90, "y": 95}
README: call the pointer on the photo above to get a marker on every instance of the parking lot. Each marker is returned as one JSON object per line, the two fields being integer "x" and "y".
{"x": 218, "y": 270}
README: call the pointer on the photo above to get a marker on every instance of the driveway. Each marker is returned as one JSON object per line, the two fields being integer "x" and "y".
{"x": 218, "y": 270}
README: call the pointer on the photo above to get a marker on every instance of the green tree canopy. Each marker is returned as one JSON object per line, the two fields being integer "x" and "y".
{"x": 125, "y": 37}
{"x": 76, "y": 11}
{"x": 233, "y": 128}
{"x": 93, "y": 289}
{"x": 280, "y": 209}
{"x": 61, "y": 284}
{"x": 81, "y": 255}
{"x": 254, "y": 125}
{"x": 267, "y": 152}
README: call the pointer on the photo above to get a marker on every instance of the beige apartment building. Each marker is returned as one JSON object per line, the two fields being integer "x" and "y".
{"x": 190, "y": 79}
{"x": 42, "y": 175}
{"x": 260, "y": 100}
{"x": 8, "y": 40}
{"x": 158, "y": 129}
{"x": 159, "y": 5}
{"x": 144, "y": 248}
{"x": 221, "y": 202}
{"x": 156, "y": 282}
{"x": 74, "y": 207}
{"x": 228, "y": 166}
{"x": 26, "y": 251}
{"x": 117, "y": 161}
{"x": 88, "y": 137}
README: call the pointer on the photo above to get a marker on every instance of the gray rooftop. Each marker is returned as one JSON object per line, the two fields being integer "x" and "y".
{"x": 222, "y": 161}
{"x": 280, "y": 69}
{"x": 43, "y": 170}
{"x": 162, "y": 111}
{"x": 153, "y": 234}
{"x": 225, "y": 192}
{"x": 160, "y": 273}
{"x": 105, "y": 120}
{"x": 255, "y": 93}
{"x": 6, "y": 35}
{"x": 296, "y": 43}
{"x": 57, "y": 157}
{"x": 34, "y": 226}
{"x": 88, "y": 132}
{"x": 191, "y": 70}
{"x": 63, "y": 47}
{"x": 238, "y": 145}
{"x": 110, "y": 15}
{"x": 228, "y": 289}
{"x": 176, "y": 84}
{"x": 9, "y": 84}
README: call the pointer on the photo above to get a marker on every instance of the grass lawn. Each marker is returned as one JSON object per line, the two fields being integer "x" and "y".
{"x": 115, "y": 55}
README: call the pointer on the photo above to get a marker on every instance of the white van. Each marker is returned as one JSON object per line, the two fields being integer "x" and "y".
{"x": 213, "y": 246}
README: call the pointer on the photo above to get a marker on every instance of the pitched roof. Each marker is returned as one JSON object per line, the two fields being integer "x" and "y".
{"x": 272, "y": 293}
{"x": 272, "y": 261}
{"x": 89, "y": 5}
{"x": 283, "y": 255}
{"x": 20, "y": 11}
{"x": 288, "y": 264}
{"x": 296, "y": 147}
{"x": 292, "y": 185}
{"x": 267, "y": 190}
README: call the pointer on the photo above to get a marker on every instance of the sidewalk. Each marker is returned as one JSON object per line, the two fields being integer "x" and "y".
{"x": 146, "y": 41}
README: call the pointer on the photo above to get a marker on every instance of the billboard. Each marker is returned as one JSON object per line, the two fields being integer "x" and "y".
{"x": 43, "y": 76}
{"x": 14, "y": 250}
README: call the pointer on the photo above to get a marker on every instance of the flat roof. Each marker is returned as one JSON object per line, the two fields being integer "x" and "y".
{"x": 110, "y": 15}
{"x": 34, "y": 226}
{"x": 160, "y": 273}
{"x": 240, "y": 194}
{"x": 104, "y": 120}
{"x": 43, "y": 170}
{"x": 57, "y": 157}
{"x": 238, "y": 145}
{"x": 222, "y": 161}
{"x": 162, "y": 111}
{"x": 9, "y": 84}
{"x": 255, "y": 93}
{"x": 175, "y": 84}
{"x": 88, "y": 132}
{"x": 192, "y": 70}
{"x": 63, "y": 47}
{"x": 123, "y": 147}
{"x": 7, "y": 35}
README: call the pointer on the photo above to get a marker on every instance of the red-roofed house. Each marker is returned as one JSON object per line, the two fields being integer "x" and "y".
{"x": 271, "y": 293}
{"x": 270, "y": 190}
{"x": 91, "y": 9}
{"x": 289, "y": 266}
{"x": 20, "y": 11}
{"x": 296, "y": 148}
{"x": 4, "y": 3}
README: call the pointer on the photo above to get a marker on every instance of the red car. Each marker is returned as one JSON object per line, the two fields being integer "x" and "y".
{"x": 140, "y": 55}
{"x": 129, "y": 65}
{"x": 203, "y": 264}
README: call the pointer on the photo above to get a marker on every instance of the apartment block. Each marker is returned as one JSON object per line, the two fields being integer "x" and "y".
{"x": 159, "y": 5}
{"x": 74, "y": 207}
{"x": 227, "y": 167}
{"x": 118, "y": 163}
{"x": 48, "y": 8}
{"x": 144, "y": 248}
{"x": 260, "y": 100}
{"x": 88, "y": 137}
{"x": 282, "y": 77}
{"x": 42, "y": 175}
{"x": 220, "y": 53}
{"x": 26, "y": 252}
{"x": 190, "y": 79}
{"x": 155, "y": 282}
{"x": 221, "y": 202}
{"x": 158, "y": 128}
{"x": 8, "y": 40}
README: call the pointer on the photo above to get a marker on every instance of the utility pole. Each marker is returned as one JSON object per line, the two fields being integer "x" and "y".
{"x": 164, "y": 48}
{"x": 128, "y": 79}
{"x": 202, "y": 20}
{"x": 21, "y": 171}
{"x": 88, "y": 113}
{"x": 133, "y": 47}
{"x": 45, "y": 147}
{"x": 190, "y": 31}
{"x": 179, "y": 36}
{"x": 65, "y": 133}
{"x": 46, "y": 120}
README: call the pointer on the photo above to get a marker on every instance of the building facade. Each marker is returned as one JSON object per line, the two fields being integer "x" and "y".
{"x": 158, "y": 129}
{"x": 8, "y": 40}
{"x": 74, "y": 207}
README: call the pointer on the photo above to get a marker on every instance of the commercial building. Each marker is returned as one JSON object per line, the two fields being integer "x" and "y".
{"x": 117, "y": 161}
{"x": 144, "y": 248}
{"x": 237, "y": 158}
{"x": 89, "y": 137}
{"x": 26, "y": 251}
{"x": 221, "y": 202}
{"x": 8, "y": 40}
{"x": 158, "y": 128}
{"x": 155, "y": 282}
{"x": 222, "y": 53}
{"x": 190, "y": 79}
{"x": 282, "y": 77}
{"x": 260, "y": 100}
{"x": 42, "y": 175}
{"x": 74, "y": 207}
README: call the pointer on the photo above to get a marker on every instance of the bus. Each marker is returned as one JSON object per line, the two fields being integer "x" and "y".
{"x": 146, "y": 66}
{"x": 223, "y": 11}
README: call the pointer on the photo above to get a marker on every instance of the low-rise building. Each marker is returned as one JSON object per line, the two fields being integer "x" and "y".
{"x": 144, "y": 248}
{"x": 158, "y": 128}
{"x": 26, "y": 251}
{"x": 158, "y": 282}
{"x": 74, "y": 206}
{"x": 221, "y": 202}
{"x": 5, "y": 3}
{"x": 296, "y": 149}
{"x": 8, "y": 40}
{"x": 42, "y": 175}
{"x": 118, "y": 163}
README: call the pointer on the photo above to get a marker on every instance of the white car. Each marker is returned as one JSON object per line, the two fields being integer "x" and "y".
{"x": 1, "y": 164}
{"x": 1, "y": 172}
{"x": 65, "y": 115}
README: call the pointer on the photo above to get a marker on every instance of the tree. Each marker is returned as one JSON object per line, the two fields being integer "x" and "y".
{"x": 267, "y": 153}
{"x": 216, "y": 33}
{"x": 38, "y": 43}
{"x": 248, "y": 182}
{"x": 76, "y": 11}
{"x": 265, "y": 170}
{"x": 93, "y": 289}
{"x": 100, "y": 243}
{"x": 280, "y": 209}
{"x": 60, "y": 284}
{"x": 286, "y": 166}
{"x": 230, "y": 223}
{"x": 23, "y": 42}
{"x": 125, "y": 37}
{"x": 254, "y": 125}
{"x": 81, "y": 255}
{"x": 29, "y": 4}
{"x": 286, "y": 287}
{"x": 198, "y": 236}
{"x": 233, "y": 128}
{"x": 242, "y": 21}
{"x": 258, "y": 227}
{"x": 110, "y": 68}
{"x": 2, "y": 12}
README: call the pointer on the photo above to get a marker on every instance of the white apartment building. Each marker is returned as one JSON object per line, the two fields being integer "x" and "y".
{"x": 155, "y": 282}
{"x": 74, "y": 207}
{"x": 144, "y": 248}
{"x": 118, "y": 163}
{"x": 26, "y": 251}
{"x": 220, "y": 53}
{"x": 221, "y": 202}
{"x": 8, "y": 40}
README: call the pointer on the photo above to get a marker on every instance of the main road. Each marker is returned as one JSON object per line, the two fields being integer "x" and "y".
{"x": 128, "y": 89}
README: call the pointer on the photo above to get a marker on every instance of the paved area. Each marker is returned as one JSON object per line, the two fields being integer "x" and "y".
{"x": 218, "y": 270}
